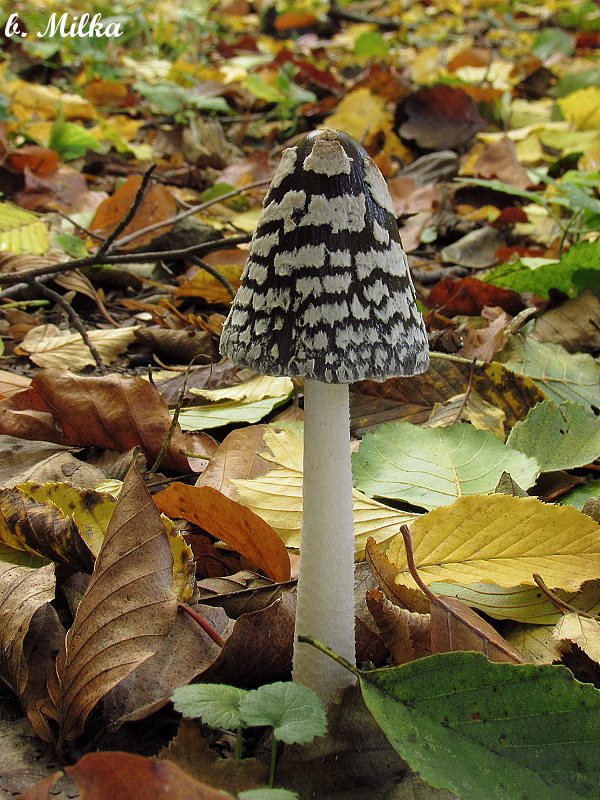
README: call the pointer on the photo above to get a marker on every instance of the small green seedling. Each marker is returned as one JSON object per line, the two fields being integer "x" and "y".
{"x": 293, "y": 711}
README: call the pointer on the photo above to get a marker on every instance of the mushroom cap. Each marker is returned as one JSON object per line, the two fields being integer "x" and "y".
{"x": 326, "y": 292}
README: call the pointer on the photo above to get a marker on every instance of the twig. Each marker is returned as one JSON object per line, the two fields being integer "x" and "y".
{"x": 27, "y": 275}
{"x": 188, "y": 212}
{"x": 561, "y": 604}
{"x": 216, "y": 274}
{"x": 77, "y": 323}
{"x": 139, "y": 196}
{"x": 437, "y": 599}
{"x": 176, "y": 412}
{"x": 79, "y": 227}
{"x": 204, "y": 624}
{"x": 463, "y": 402}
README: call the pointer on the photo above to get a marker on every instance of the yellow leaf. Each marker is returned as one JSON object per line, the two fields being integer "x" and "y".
{"x": 90, "y": 510}
{"x": 502, "y": 540}
{"x": 582, "y": 108}
{"x": 30, "y": 101}
{"x": 249, "y": 392}
{"x": 362, "y": 114}
{"x": 426, "y": 66}
{"x": 48, "y": 346}
{"x": 468, "y": 407}
{"x": 276, "y": 497}
{"x": 22, "y": 231}
{"x": 583, "y": 631}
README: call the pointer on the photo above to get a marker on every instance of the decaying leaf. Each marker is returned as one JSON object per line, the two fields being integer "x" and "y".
{"x": 582, "y": 631}
{"x": 125, "y": 614}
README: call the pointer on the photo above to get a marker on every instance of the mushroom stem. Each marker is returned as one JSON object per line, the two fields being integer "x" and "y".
{"x": 325, "y": 608}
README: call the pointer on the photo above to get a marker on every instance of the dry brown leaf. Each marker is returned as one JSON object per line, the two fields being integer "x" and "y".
{"x": 232, "y": 523}
{"x": 41, "y": 528}
{"x": 259, "y": 648}
{"x": 22, "y": 592}
{"x": 127, "y": 611}
{"x": 20, "y": 455}
{"x": 112, "y": 412}
{"x": 406, "y": 634}
{"x": 385, "y": 573}
{"x": 183, "y": 654}
{"x": 236, "y": 458}
{"x": 485, "y": 343}
{"x": 575, "y": 324}
{"x": 412, "y": 399}
{"x": 499, "y": 160}
{"x": 11, "y": 383}
{"x": 190, "y": 751}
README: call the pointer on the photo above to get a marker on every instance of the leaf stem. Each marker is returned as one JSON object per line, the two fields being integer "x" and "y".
{"x": 204, "y": 624}
{"x": 329, "y": 652}
{"x": 238, "y": 743}
{"x": 273, "y": 760}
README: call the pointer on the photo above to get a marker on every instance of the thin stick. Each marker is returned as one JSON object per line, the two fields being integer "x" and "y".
{"x": 176, "y": 413}
{"x": 463, "y": 402}
{"x": 435, "y": 598}
{"x": 204, "y": 624}
{"x": 9, "y": 279}
{"x": 216, "y": 274}
{"x": 137, "y": 200}
{"x": 561, "y": 604}
{"x": 188, "y": 212}
{"x": 77, "y": 323}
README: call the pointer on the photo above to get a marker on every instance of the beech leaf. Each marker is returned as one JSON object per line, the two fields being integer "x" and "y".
{"x": 449, "y": 716}
{"x": 503, "y": 540}
{"x": 125, "y": 613}
{"x": 431, "y": 467}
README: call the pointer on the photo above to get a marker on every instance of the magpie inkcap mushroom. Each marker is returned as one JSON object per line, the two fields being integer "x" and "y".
{"x": 326, "y": 294}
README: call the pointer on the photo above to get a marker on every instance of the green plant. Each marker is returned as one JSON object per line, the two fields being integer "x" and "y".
{"x": 294, "y": 712}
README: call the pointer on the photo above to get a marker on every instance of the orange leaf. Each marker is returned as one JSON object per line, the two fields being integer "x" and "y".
{"x": 232, "y": 523}
{"x": 123, "y": 776}
{"x": 158, "y": 204}
{"x": 40, "y": 160}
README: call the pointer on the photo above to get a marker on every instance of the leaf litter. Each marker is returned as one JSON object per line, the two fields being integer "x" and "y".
{"x": 490, "y": 145}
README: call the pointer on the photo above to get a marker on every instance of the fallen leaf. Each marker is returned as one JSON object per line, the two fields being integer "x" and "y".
{"x": 124, "y": 776}
{"x": 406, "y": 634}
{"x": 561, "y": 375}
{"x": 558, "y": 436}
{"x": 276, "y": 496}
{"x": 65, "y": 190}
{"x": 575, "y": 324}
{"x": 19, "y": 455}
{"x": 475, "y": 250}
{"x": 499, "y": 160}
{"x": 582, "y": 631}
{"x": 469, "y": 296}
{"x": 21, "y": 231}
{"x": 48, "y": 346}
{"x": 112, "y": 412}
{"x": 581, "y": 108}
{"x": 158, "y": 205}
{"x": 232, "y": 523}
{"x": 468, "y": 407}
{"x": 440, "y": 118}
{"x": 126, "y": 612}
{"x": 431, "y": 467}
{"x": 503, "y": 540}
{"x": 39, "y": 160}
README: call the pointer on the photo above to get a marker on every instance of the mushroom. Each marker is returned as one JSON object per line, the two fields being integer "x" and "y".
{"x": 326, "y": 294}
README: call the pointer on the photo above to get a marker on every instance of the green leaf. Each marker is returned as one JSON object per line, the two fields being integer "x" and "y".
{"x": 556, "y": 275}
{"x": 72, "y": 245}
{"x": 201, "y": 418}
{"x": 217, "y": 704}
{"x": 573, "y": 81}
{"x": 560, "y": 374}
{"x": 431, "y": 467}
{"x": 71, "y": 140}
{"x": 558, "y": 436}
{"x": 268, "y": 794}
{"x": 505, "y": 188}
{"x": 578, "y": 497}
{"x": 21, "y": 557}
{"x": 551, "y": 41}
{"x": 520, "y": 603}
{"x": 371, "y": 43}
{"x": 490, "y": 731}
{"x": 293, "y": 711}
